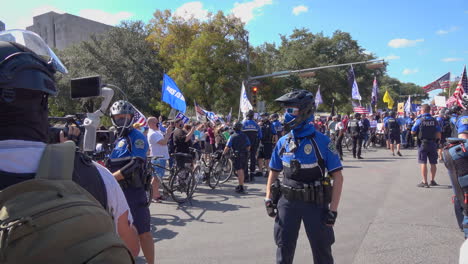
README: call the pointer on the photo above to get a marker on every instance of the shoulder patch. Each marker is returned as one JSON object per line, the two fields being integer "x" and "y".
{"x": 464, "y": 120}
{"x": 121, "y": 143}
{"x": 139, "y": 144}
{"x": 332, "y": 148}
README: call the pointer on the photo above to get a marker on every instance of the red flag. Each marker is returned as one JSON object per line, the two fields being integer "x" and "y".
{"x": 462, "y": 88}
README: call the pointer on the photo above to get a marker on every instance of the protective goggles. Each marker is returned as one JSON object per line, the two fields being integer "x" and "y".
{"x": 292, "y": 110}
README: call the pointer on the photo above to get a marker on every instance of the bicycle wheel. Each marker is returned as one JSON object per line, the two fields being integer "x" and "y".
{"x": 228, "y": 170}
{"x": 179, "y": 185}
{"x": 149, "y": 195}
{"x": 215, "y": 171}
{"x": 196, "y": 178}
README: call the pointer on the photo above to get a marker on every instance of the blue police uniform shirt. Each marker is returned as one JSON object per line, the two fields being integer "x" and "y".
{"x": 139, "y": 146}
{"x": 251, "y": 126}
{"x": 385, "y": 120}
{"x": 278, "y": 126}
{"x": 229, "y": 143}
{"x": 401, "y": 121}
{"x": 453, "y": 120}
{"x": 305, "y": 152}
{"x": 441, "y": 121}
{"x": 425, "y": 117}
{"x": 462, "y": 124}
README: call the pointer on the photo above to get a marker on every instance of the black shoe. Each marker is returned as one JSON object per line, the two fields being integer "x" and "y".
{"x": 360, "y": 157}
{"x": 433, "y": 183}
{"x": 423, "y": 185}
{"x": 393, "y": 154}
{"x": 240, "y": 189}
{"x": 399, "y": 154}
{"x": 354, "y": 156}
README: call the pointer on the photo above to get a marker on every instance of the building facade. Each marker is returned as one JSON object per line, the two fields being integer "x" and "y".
{"x": 62, "y": 30}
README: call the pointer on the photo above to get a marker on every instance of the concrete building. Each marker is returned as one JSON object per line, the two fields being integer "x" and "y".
{"x": 62, "y": 30}
{"x": 2, "y": 26}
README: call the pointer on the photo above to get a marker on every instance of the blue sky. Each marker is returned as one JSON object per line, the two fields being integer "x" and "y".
{"x": 421, "y": 39}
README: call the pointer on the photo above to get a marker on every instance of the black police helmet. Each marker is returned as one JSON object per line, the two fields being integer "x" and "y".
{"x": 455, "y": 109}
{"x": 21, "y": 68}
{"x": 465, "y": 100}
{"x": 302, "y": 99}
{"x": 238, "y": 126}
{"x": 392, "y": 113}
{"x": 357, "y": 115}
{"x": 250, "y": 114}
{"x": 274, "y": 116}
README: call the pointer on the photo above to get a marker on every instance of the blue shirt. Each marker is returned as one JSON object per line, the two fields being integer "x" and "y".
{"x": 385, "y": 120}
{"x": 441, "y": 121}
{"x": 453, "y": 120}
{"x": 251, "y": 126}
{"x": 278, "y": 126}
{"x": 162, "y": 128}
{"x": 462, "y": 124}
{"x": 229, "y": 143}
{"x": 139, "y": 146}
{"x": 305, "y": 152}
{"x": 418, "y": 123}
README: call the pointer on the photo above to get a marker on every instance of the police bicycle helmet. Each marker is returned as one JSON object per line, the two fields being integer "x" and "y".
{"x": 238, "y": 126}
{"x": 304, "y": 101}
{"x": 465, "y": 101}
{"x": 250, "y": 114}
{"x": 274, "y": 116}
{"x": 122, "y": 107}
{"x": 357, "y": 115}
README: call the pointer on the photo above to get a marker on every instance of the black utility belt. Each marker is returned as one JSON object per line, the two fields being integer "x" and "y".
{"x": 319, "y": 194}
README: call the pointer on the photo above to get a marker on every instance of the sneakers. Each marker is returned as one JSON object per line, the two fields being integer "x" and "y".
{"x": 359, "y": 157}
{"x": 423, "y": 185}
{"x": 399, "y": 154}
{"x": 239, "y": 189}
{"x": 433, "y": 183}
{"x": 393, "y": 154}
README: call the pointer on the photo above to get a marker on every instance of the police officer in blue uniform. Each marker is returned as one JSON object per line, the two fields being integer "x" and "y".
{"x": 253, "y": 131}
{"x": 462, "y": 120}
{"x": 269, "y": 138}
{"x": 428, "y": 131}
{"x": 277, "y": 124}
{"x": 240, "y": 145}
{"x": 127, "y": 163}
{"x": 306, "y": 157}
{"x": 409, "y": 125}
{"x": 454, "y": 111}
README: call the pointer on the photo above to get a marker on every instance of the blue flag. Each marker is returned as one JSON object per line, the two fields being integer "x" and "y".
{"x": 352, "y": 81}
{"x": 172, "y": 95}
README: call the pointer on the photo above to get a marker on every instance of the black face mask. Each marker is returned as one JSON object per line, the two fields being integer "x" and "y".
{"x": 122, "y": 122}
{"x": 25, "y": 118}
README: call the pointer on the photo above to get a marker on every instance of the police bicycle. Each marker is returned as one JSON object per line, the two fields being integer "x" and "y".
{"x": 210, "y": 170}
{"x": 227, "y": 167}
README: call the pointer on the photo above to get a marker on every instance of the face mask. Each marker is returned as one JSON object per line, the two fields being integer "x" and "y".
{"x": 289, "y": 117}
{"x": 122, "y": 122}
{"x": 141, "y": 129}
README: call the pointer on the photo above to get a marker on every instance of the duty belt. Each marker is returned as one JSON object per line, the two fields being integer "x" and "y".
{"x": 310, "y": 194}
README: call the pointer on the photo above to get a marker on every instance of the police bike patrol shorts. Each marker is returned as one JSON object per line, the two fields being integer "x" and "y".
{"x": 136, "y": 199}
{"x": 266, "y": 151}
{"x": 240, "y": 161}
{"x": 428, "y": 150}
{"x": 394, "y": 138}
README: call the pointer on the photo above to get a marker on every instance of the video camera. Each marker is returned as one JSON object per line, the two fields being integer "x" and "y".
{"x": 86, "y": 87}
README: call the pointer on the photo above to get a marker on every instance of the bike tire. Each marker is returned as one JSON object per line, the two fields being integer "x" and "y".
{"x": 179, "y": 185}
{"x": 196, "y": 178}
{"x": 149, "y": 195}
{"x": 228, "y": 171}
{"x": 214, "y": 174}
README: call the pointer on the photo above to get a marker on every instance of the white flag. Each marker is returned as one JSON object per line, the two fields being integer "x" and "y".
{"x": 408, "y": 105}
{"x": 245, "y": 104}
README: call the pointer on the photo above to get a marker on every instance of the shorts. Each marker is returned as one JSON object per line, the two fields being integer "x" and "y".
{"x": 158, "y": 171}
{"x": 428, "y": 151}
{"x": 136, "y": 199}
{"x": 265, "y": 151}
{"x": 240, "y": 161}
{"x": 208, "y": 148}
{"x": 394, "y": 138}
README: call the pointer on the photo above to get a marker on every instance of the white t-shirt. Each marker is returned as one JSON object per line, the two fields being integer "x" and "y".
{"x": 154, "y": 136}
{"x": 339, "y": 126}
{"x": 12, "y": 159}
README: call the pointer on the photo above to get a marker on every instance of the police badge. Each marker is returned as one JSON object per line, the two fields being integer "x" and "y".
{"x": 307, "y": 149}
{"x": 332, "y": 148}
{"x": 140, "y": 144}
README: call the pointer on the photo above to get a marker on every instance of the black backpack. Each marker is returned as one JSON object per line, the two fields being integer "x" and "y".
{"x": 267, "y": 135}
{"x": 393, "y": 125}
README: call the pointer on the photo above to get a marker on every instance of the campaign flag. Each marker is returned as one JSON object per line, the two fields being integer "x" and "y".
{"x": 352, "y": 81}
{"x": 139, "y": 118}
{"x": 388, "y": 99}
{"x": 375, "y": 92}
{"x": 318, "y": 98}
{"x": 228, "y": 117}
{"x": 408, "y": 105}
{"x": 245, "y": 104}
{"x": 401, "y": 107}
{"x": 441, "y": 83}
{"x": 199, "y": 111}
{"x": 182, "y": 117}
{"x": 212, "y": 116}
{"x": 172, "y": 95}
{"x": 462, "y": 88}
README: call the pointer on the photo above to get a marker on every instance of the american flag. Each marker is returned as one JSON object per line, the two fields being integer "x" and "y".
{"x": 360, "y": 110}
{"x": 462, "y": 88}
{"x": 441, "y": 83}
{"x": 199, "y": 111}
{"x": 139, "y": 118}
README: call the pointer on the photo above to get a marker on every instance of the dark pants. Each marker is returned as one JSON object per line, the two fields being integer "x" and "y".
{"x": 357, "y": 143}
{"x": 287, "y": 224}
{"x": 339, "y": 147}
{"x": 253, "y": 157}
{"x": 409, "y": 140}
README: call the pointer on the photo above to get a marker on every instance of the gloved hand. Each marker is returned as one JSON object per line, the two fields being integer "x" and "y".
{"x": 270, "y": 208}
{"x": 330, "y": 217}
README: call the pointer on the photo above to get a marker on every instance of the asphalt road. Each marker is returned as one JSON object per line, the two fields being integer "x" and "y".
{"x": 383, "y": 218}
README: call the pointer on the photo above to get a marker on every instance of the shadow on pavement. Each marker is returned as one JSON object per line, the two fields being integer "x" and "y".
{"x": 351, "y": 167}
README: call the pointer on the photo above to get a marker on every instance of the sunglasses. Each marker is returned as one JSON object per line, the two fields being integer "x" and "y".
{"x": 292, "y": 110}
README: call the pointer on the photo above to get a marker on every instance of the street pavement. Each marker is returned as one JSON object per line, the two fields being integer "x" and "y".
{"x": 382, "y": 218}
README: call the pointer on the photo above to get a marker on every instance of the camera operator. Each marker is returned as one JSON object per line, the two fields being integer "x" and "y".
{"x": 127, "y": 162}
{"x": 26, "y": 82}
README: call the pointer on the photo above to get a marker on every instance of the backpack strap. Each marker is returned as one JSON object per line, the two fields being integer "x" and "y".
{"x": 57, "y": 162}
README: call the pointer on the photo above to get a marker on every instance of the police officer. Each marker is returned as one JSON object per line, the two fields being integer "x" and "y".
{"x": 269, "y": 138}
{"x": 428, "y": 132}
{"x": 253, "y": 131}
{"x": 355, "y": 129}
{"x": 127, "y": 162}
{"x": 240, "y": 144}
{"x": 462, "y": 120}
{"x": 454, "y": 111}
{"x": 277, "y": 124}
{"x": 409, "y": 125}
{"x": 392, "y": 128}
{"x": 26, "y": 82}
{"x": 306, "y": 157}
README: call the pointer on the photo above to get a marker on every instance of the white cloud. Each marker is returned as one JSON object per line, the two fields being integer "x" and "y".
{"x": 410, "y": 71}
{"x": 300, "y": 9}
{"x": 104, "y": 17}
{"x": 26, "y": 21}
{"x": 403, "y": 43}
{"x": 248, "y": 10}
{"x": 443, "y": 32}
{"x": 192, "y": 9}
{"x": 451, "y": 59}
{"x": 391, "y": 57}
{"x": 367, "y": 52}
